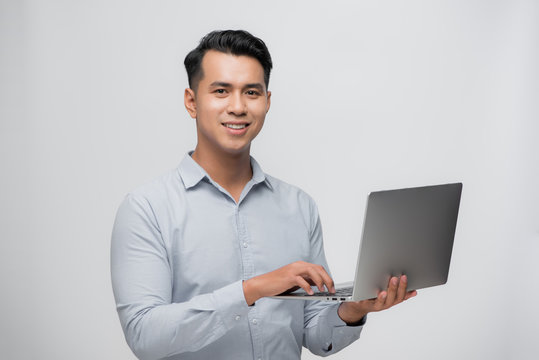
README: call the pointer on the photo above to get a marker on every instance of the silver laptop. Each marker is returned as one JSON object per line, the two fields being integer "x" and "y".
{"x": 405, "y": 231}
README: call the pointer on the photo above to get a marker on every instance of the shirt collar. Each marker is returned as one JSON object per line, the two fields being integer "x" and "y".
{"x": 258, "y": 174}
{"x": 192, "y": 173}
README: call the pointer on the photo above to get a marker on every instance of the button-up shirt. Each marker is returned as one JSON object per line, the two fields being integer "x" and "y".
{"x": 181, "y": 247}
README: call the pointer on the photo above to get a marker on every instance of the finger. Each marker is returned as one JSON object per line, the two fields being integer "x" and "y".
{"x": 401, "y": 291}
{"x": 316, "y": 278}
{"x": 391, "y": 291}
{"x": 379, "y": 302}
{"x": 301, "y": 282}
{"x": 328, "y": 281}
{"x": 410, "y": 294}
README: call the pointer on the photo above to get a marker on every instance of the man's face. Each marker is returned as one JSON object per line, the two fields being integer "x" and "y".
{"x": 230, "y": 103}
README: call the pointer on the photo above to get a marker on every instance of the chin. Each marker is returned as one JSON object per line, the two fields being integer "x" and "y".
{"x": 236, "y": 150}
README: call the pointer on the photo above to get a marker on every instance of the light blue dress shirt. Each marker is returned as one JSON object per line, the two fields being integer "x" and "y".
{"x": 181, "y": 247}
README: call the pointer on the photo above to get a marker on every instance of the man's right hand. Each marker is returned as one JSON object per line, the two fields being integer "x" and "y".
{"x": 299, "y": 274}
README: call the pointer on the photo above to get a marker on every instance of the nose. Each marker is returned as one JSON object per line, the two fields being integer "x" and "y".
{"x": 236, "y": 105}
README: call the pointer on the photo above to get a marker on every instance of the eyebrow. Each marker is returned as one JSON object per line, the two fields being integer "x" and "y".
{"x": 257, "y": 86}
{"x": 220, "y": 84}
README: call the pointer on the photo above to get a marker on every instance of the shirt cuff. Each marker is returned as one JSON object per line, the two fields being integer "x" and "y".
{"x": 340, "y": 334}
{"x": 231, "y": 304}
{"x": 333, "y": 318}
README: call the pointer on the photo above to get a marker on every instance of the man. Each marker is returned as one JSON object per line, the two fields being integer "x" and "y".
{"x": 196, "y": 253}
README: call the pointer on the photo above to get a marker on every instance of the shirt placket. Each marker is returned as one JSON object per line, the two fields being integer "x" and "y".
{"x": 248, "y": 272}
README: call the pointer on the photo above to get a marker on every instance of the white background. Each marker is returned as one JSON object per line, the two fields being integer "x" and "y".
{"x": 366, "y": 96}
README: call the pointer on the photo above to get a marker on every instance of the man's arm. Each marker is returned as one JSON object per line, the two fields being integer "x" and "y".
{"x": 155, "y": 327}
{"x": 331, "y": 327}
{"x": 325, "y": 332}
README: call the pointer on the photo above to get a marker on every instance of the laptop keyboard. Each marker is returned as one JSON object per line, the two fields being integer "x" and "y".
{"x": 342, "y": 292}
{"x": 347, "y": 291}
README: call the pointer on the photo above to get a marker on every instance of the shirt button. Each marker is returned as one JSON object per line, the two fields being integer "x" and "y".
{"x": 255, "y": 321}
{"x": 238, "y": 317}
{"x": 245, "y": 245}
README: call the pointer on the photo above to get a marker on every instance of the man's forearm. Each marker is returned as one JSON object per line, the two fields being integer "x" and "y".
{"x": 250, "y": 291}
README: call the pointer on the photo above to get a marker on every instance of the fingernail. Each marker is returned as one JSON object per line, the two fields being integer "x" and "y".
{"x": 394, "y": 281}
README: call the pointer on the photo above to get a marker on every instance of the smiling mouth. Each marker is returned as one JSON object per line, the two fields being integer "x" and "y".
{"x": 236, "y": 126}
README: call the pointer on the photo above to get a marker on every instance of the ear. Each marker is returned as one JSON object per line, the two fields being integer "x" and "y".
{"x": 190, "y": 102}
{"x": 268, "y": 101}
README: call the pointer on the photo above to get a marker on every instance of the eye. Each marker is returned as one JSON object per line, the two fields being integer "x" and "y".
{"x": 220, "y": 91}
{"x": 252, "y": 93}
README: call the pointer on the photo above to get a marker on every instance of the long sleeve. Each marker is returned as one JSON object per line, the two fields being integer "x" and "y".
{"x": 155, "y": 327}
{"x": 325, "y": 333}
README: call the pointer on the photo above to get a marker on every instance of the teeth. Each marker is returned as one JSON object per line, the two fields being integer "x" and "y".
{"x": 235, "y": 126}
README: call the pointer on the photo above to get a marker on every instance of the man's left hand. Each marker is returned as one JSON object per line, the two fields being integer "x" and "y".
{"x": 352, "y": 312}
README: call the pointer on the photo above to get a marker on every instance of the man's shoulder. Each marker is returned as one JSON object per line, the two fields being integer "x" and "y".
{"x": 284, "y": 189}
{"x": 160, "y": 188}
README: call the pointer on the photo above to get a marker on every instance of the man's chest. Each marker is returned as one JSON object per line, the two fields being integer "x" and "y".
{"x": 214, "y": 247}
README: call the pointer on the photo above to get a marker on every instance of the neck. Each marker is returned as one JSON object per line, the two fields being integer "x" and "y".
{"x": 231, "y": 171}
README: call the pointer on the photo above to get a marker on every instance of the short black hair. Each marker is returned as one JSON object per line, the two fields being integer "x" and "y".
{"x": 235, "y": 42}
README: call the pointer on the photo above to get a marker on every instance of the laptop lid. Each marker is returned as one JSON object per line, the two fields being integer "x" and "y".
{"x": 407, "y": 231}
